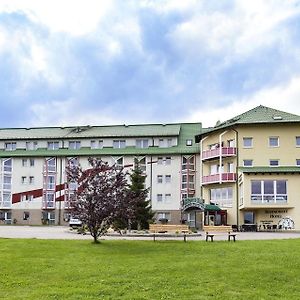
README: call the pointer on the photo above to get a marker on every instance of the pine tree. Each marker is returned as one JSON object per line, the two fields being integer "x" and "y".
{"x": 142, "y": 207}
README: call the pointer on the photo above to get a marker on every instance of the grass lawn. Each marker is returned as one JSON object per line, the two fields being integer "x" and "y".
{"x": 56, "y": 269}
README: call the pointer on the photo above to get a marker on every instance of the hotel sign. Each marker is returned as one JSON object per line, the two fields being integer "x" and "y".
{"x": 276, "y": 213}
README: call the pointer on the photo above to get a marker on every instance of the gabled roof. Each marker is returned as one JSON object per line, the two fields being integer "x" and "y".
{"x": 258, "y": 115}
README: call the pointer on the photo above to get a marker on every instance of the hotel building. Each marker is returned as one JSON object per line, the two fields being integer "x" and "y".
{"x": 243, "y": 172}
{"x": 250, "y": 168}
{"x": 33, "y": 183}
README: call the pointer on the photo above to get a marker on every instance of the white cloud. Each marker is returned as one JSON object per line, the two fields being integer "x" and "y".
{"x": 75, "y": 17}
{"x": 285, "y": 98}
{"x": 234, "y": 32}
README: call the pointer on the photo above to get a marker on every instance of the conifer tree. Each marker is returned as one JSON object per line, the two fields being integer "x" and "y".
{"x": 142, "y": 214}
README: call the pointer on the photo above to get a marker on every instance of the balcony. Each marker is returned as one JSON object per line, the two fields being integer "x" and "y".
{"x": 225, "y": 151}
{"x": 215, "y": 178}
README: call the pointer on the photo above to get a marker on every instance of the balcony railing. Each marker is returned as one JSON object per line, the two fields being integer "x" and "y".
{"x": 225, "y": 177}
{"x": 225, "y": 151}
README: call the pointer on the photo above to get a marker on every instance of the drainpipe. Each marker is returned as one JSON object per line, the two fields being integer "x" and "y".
{"x": 220, "y": 157}
{"x": 201, "y": 167}
{"x": 236, "y": 172}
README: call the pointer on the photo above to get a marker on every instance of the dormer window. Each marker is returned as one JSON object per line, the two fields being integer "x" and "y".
{"x": 11, "y": 146}
{"x": 53, "y": 145}
{"x": 119, "y": 144}
{"x": 75, "y": 145}
{"x": 189, "y": 142}
{"x": 142, "y": 143}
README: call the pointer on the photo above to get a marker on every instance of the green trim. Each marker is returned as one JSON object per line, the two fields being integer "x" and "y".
{"x": 285, "y": 169}
{"x": 212, "y": 207}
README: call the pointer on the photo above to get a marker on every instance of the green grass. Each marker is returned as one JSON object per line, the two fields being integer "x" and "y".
{"x": 53, "y": 269}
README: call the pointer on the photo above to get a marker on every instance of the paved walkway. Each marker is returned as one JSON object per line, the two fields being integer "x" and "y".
{"x": 63, "y": 232}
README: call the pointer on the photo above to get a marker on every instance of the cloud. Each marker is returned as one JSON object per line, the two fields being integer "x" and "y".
{"x": 142, "y": 61}
{"x": 285, "y": 98}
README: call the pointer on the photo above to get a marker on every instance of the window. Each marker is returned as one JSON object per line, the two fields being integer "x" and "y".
{"x": 159, "y": 178}
{"x": 274, "y": 162}
{"x": 298, "y": 141}
{"x": 163, "y": 216}
{"x": 7, "y": 165}
{"x": 248, "y": 162}
{"x": 10, "y": 146}
{"x": 51, "y": 165}
{"x": 184, "y": 182}
{"x": 142, "y": 143}
{"x": 23, "y": 179}
{"x": 24, "y": 162}
{"x": 26, "y": 198}
{"x": 249, "y": 217}
{"x": 159, "y": 160}
{"x": 298, "y": 162}
{"x": 167, "y": 198}
{"x": 230, "y": 167}
{"x": 141, "y": 162}
{"x": 119, "y": 144}
{"x": 274, "y": 141}
{"x": 169, "y": 142}
{"x": 75, "y": 145}
{"x": 31, "y": 162}
{"x": 191, "y": 181}
{"x": 168, "y": 178}
{"x": 159, "y": 198}
{"x": 168, "y": 160}
{"x": 31, "y": 179}
{"x": 96, "y": 144}
{"x": 189, "y": 142}
{"x": 118, "y": 161}
{"x": 161, "y": 143}
{"x": 231, "y": 143}
{"x": 26, "y": 215}
{"x": 49, "y": 200}
{"x": 188, "y": 163}
{"x": 31, "y": 145}
{"x": 53, "y": 145}
{"x": 51, "y": 182}
{"x": 7, "y": 182}
{"x": 222, "y": 196}
{"x": 248, "y": 142}
{"x": 268, "y": 191}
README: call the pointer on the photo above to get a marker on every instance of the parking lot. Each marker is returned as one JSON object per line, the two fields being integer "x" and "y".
{"x": 64, "y": 232}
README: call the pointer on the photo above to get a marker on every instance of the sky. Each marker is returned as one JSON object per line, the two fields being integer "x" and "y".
{"x": 91, "y": 62}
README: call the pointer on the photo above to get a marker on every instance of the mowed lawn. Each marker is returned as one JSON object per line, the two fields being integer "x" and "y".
{"x": 57, "y": 269}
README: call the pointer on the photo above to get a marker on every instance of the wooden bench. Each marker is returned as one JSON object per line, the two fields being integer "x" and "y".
{"x": 163, "y": 228}
{"x": 211, "y": 231}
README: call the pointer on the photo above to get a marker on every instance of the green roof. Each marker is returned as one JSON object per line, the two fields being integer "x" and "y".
{"x": 281, "y": 169}
{"x": 148, "y": 130}
{"x": 182, "y": 131}
{"x": 258, "y": 115}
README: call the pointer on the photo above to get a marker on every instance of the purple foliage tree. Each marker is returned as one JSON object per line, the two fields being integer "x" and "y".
{"x": 102, "y": 196}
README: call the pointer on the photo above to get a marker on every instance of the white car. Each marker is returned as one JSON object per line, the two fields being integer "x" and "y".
{"x": 74, "y": 222}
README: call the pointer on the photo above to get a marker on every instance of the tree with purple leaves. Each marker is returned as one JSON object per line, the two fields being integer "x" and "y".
{"x": 102, "y": 196}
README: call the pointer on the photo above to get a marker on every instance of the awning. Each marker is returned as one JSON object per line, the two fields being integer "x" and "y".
{"x": 192, "y": 204}
{"x": 212, "y": 207}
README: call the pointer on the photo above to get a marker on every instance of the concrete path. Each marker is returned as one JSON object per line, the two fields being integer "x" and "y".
{"x": 63, "y": 232}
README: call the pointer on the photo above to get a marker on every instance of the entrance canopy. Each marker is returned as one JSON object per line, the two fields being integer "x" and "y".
{"x": 192, "y": 204}
{"x": 212, "y": 207}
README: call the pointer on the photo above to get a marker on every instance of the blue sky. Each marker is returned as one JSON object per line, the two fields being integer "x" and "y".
{"x": 96, "y": 62}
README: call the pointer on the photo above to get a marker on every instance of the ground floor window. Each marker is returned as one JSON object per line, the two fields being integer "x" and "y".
{"x": 5, "y": 216}
{"x": 163, "y": 217}
{"x": 48, "y": 218}
{"x": 249, "y": 217}
{"x": 269, "y": 191}
{"x": 222, "y": 196}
